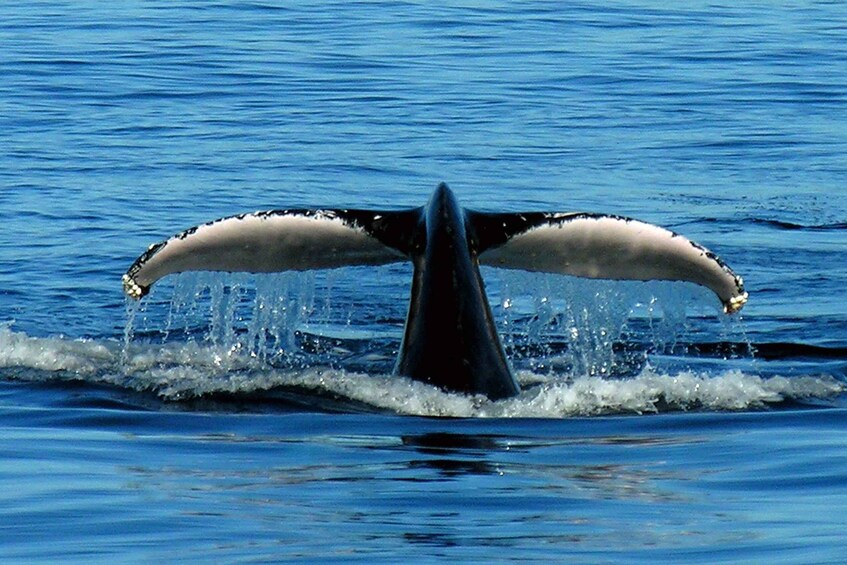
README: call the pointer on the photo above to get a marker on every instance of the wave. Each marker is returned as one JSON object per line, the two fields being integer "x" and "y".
{"x": 792, "y": 226}
{"x": 193, "y": 374}
{"x": 781, "y": 225}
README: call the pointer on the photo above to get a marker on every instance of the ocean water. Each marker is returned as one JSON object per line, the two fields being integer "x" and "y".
{"x": 242, "y": 418}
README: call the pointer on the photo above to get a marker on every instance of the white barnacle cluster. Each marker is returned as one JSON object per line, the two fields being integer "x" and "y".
{"x": 735, "y": 303}
{"x": 132, "y": 288}
{"x": 327, "y": 215}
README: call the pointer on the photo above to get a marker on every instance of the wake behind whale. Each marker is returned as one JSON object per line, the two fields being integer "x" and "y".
{"x": 198, "y": 374}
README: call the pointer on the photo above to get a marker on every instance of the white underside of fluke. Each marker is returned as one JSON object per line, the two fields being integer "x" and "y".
{"x": 611, "y": 247}
{"x": 262, "y": 242}
{"x": 578, "y": 244}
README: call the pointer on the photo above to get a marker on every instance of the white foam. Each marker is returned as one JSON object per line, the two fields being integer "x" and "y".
{"x": 184, "y": 370}
{"x": 83, "y": 357}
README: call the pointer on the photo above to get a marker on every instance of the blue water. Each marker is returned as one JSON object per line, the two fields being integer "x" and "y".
{"x": 198, "y": 427}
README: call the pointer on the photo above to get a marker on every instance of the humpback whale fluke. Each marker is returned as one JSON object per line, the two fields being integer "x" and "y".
{"x": 450, "y": 339}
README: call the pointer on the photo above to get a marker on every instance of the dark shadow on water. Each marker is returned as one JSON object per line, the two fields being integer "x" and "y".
{"x": 452, "y": 454}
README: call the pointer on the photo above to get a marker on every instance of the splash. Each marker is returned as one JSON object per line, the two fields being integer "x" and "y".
{"x": 579, "y": 347}
{"x": 548, "y": 323}
{"x": 176, "y": 372}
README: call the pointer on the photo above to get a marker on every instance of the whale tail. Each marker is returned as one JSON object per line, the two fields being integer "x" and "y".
{"x": 578, "y": 244}
{"x": 450, "y": 339}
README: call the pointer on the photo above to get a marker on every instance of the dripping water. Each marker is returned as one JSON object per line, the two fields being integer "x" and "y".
{"x": 550, "y": 325}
